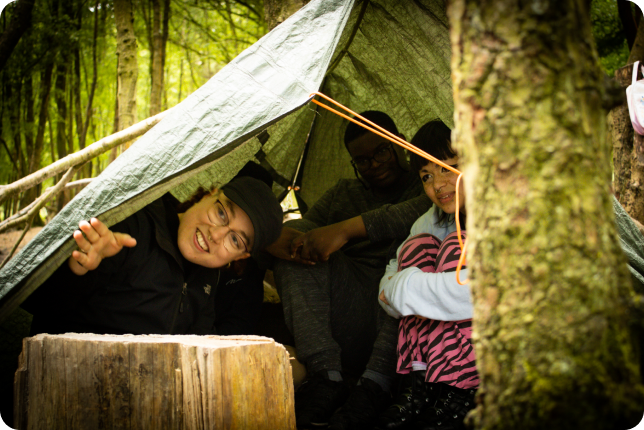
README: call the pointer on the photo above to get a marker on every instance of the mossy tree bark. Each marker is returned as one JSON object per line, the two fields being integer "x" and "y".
{"x": 549, "y": 281}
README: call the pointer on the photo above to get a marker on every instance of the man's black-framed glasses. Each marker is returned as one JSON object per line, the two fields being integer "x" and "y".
{"x": 232, "y": 241}
{"x": 363, "y": 164}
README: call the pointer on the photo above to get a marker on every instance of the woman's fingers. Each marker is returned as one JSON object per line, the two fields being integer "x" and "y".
{"x": 85, "y": 255}
{"x": 82, "y": 259}
{"x": 95, "y": 242}
{"x": 124, "y": 239}
{"x": 99, "y": 227}
{"x": 83, "y": 244}
{"x": 90, "y": 233}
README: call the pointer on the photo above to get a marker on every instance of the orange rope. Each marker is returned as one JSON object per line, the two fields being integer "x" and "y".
{"x": 387, "y": 135}
{"x": 408, "y": 146}
{"x": 461, "y": 259}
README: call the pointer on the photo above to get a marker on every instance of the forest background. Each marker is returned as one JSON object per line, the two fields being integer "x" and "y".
{"x": 84, "y": 69}
{"x": 60, "y": 84}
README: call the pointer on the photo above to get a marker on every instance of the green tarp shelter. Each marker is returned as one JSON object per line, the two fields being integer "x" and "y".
{"x": 387, "y": 55}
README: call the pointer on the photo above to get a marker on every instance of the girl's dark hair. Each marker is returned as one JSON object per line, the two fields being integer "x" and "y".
{"x": 435, "y": 138}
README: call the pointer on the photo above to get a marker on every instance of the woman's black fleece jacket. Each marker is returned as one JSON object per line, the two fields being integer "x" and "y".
{"x": 147, "y": 289}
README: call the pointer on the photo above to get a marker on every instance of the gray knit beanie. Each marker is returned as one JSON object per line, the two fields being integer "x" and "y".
{"x": 258, "y": 201}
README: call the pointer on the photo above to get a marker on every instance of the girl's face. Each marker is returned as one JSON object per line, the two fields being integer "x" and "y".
{"x": 440, "y": 185}
{"x": 215, "y": 231}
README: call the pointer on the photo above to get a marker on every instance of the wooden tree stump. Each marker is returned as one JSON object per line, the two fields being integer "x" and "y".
{"x": 87, "y": 381}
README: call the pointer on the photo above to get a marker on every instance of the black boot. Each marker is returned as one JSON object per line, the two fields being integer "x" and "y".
{"x": 449, "y": 411}
{"x": 414, "y": 396}
{"x": 317, "y": 399}
{"x": 361, "y": 409}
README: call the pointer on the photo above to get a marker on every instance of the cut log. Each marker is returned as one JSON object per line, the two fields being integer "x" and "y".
{"x": 87, "y": 381}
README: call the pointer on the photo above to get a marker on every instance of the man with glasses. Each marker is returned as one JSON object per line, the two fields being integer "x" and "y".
{"x": 330, "y": 265}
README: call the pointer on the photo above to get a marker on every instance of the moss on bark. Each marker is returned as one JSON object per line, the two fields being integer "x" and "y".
{"x": 549, "y": 281}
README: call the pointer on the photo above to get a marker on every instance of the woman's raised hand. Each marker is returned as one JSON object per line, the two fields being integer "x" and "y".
{"x": 99, "y": 242}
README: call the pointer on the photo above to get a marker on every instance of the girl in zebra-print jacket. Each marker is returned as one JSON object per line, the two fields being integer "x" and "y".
{"x": 419, "y": 286}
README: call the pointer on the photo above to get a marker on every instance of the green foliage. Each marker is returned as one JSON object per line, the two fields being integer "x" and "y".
{"x": 203, "y": 36}
{"x": 609, "y": 36}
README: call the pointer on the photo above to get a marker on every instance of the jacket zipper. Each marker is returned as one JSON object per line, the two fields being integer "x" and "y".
{"x": 179, "y": 309}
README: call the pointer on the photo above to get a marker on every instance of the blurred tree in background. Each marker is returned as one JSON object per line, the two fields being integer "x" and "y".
{"x": 58, "y": 82}
{"x": 611, "y": 38}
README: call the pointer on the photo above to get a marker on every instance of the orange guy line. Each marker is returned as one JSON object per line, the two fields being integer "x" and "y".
{"x": 408, "y": 146}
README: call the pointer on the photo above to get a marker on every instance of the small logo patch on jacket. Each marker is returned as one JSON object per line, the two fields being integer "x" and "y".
{"x": 207, "y": 289}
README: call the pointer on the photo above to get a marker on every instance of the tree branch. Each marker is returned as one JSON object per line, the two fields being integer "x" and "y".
{"x": 19, "y": 217}
{"x": 80, "y": 157}
{"x": 36, "y": 207}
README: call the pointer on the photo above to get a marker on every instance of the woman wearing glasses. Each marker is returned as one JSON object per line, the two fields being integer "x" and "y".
{"x": 157, "y": 271}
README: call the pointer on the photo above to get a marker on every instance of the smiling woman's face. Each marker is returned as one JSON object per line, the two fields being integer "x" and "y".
{"x": 440, "y": 185}
{"x": 204, "y": 241}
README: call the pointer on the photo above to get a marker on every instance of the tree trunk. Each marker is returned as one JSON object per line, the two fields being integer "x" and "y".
{"x": 30, "y": 116}
{"x": 625, "y": 11}
{"x": 13, "y": 91}
{"x": 550, "y": 284}
{"x": 84, "y": 123}
{"x": 20, "y": 22}
{"x": 60, "y": 88}
{"x": 156, "y": 69}
{"x": 160, "y": 21}
{"x": 85, "y": 381}
{"x": 165, "y": 34}
{"x": 35, "y": 154}
{"x": 277, "y": 11}
{"x": 126, "y": 48}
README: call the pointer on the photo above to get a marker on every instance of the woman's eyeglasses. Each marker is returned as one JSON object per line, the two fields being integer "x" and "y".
{"x": 232, "y": 241}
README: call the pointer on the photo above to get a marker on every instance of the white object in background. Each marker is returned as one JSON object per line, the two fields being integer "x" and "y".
{"x": 639, "y": 3}
{"x": 635, "y": 97}
{"x": 3, "y": 3}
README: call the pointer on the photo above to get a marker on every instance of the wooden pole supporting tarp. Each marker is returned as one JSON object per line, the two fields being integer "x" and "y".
{"x": 87, "y": 381}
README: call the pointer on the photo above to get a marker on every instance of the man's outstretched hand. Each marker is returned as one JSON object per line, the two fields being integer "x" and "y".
{"x": 318, "y": 244}
{"x": 281, "y": 248}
